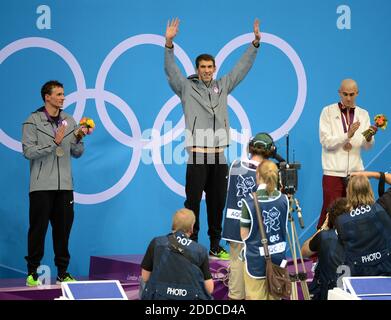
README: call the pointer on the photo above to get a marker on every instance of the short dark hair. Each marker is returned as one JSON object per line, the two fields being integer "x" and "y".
{"x": 48, "y": 87}
{"x": 205, "y": 57}
{"x": 338, "y": 207}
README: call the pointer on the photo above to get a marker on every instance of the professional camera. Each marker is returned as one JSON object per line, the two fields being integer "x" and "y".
{"x": 288, "y": 172}
{"x": 289, "y": 177}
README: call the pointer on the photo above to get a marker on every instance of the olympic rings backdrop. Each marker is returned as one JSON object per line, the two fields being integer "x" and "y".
{"x": 109, "y": 56}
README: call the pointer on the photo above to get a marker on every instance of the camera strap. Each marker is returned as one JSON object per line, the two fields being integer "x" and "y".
{"x": 175, "y": 246}
{"x": 260, "y": 225}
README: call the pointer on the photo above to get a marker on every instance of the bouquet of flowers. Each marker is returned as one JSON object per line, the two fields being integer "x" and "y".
{"x": 86, "y": 126}
{"x": 380, "y": 122}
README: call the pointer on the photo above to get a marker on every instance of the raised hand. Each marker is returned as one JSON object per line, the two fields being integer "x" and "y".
{"x": 257, "y": 33}
{"x": 171, "y": 31}
{"x": 60, "y": 134}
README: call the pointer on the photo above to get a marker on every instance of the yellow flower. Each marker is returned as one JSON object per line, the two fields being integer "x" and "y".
{"x": 90, "y": 123}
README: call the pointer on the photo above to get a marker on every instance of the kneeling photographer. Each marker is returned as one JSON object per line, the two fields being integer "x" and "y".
{"x": 176, "y": 267}
{"x": 329, "y": 250}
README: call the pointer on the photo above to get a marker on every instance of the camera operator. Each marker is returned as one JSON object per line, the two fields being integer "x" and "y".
{"x": 241, "y": 182}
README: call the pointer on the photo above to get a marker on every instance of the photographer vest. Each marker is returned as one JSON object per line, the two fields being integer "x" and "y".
{"x": 275, "y": 218}
{"x": 330, "y": 256}
{"x": 365, "y": 233}
{"x": 176, "y": 275}
{"x": 241, "y": 182}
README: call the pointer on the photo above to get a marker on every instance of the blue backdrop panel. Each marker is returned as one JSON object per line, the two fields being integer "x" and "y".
{"x": 109, "y": 56}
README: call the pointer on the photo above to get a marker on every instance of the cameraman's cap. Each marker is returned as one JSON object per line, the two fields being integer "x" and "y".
{"x": 263, "y": 140}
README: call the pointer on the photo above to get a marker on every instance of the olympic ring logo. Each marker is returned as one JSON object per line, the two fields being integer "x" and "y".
{"x": 156, "y": 142}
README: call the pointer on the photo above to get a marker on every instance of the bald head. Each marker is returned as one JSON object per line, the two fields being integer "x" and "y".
{"x": 348, "y": 92}
{"x": 348, "y": 84}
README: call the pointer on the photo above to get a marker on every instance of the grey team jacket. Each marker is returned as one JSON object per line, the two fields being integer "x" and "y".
{"x": 47, "y": 170}
{"x": 205, "y": 108}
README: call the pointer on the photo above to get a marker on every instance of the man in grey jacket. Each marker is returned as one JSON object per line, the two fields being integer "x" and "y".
{"x": 204, "y": 102}
{"x": 50, "y": 138}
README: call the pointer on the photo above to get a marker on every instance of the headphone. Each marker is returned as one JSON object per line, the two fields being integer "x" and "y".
{"x": 267, "y": 146}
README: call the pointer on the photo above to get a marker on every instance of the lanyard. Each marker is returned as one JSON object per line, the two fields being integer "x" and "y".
{"x": 51, "y": 120}
{"x": 347, "y": 118}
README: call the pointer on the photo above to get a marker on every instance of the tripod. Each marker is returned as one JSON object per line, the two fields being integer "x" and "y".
{"x": 294, "y": 243}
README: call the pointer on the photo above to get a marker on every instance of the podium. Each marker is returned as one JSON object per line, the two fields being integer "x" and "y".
{"x": 93, "y": 290}
{"x": 362, "y": 288}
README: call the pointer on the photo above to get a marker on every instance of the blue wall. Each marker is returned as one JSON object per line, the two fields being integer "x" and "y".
{"x": 115, "y": 216}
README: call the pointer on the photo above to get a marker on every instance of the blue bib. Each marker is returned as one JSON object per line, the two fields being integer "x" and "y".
{"x": 366, "y": 233}
{"x": 176, "y": 276}
{"x": 241, "y": 182}
{"x": 275, "y": 218}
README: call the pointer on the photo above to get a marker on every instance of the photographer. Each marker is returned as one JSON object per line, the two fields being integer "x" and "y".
{"x": 365, "y": 230}
{"x": 176, "y": 267}
{"x": 381, "y": 176}
{"x": 330, "y": 252}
